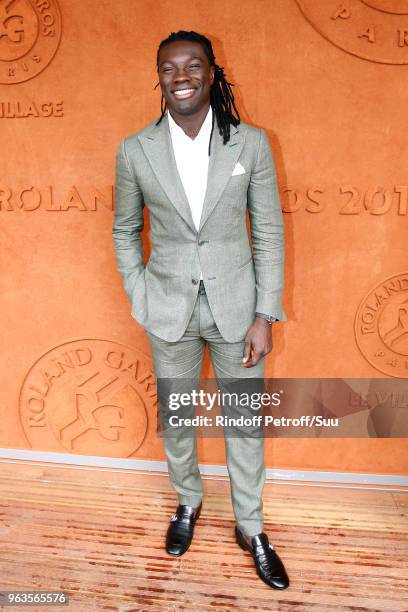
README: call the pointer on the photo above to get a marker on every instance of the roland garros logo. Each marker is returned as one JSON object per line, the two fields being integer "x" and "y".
{"x": 90, "y": 397}
{"x": 381, "y": 326}
{"x": 30, "y": 32}
{"x": 375, "y": 30}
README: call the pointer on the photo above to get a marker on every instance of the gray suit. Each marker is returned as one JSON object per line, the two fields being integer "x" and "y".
{"x": 237, "y": 283}
{"x": 180, "y": 314}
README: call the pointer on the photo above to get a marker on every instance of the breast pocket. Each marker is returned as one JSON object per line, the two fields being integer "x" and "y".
{"x": 239, "y": 181}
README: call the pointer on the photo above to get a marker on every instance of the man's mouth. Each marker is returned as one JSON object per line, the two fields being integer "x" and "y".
{"x": 182, "y": 94}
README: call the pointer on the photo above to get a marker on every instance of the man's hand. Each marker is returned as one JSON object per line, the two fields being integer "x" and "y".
{"x": 258, "y": 342}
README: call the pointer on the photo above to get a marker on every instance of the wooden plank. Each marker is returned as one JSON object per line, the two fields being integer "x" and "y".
{"x": 100, "y": 536}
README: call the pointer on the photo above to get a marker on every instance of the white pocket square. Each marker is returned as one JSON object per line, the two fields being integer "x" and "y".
{"x": 239, "y": 169}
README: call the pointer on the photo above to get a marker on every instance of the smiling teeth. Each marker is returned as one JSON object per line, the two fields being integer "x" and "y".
{"x": 180, "y": 92}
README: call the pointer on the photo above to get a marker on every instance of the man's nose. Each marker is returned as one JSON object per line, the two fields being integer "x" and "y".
{"x": 181, "y": 75}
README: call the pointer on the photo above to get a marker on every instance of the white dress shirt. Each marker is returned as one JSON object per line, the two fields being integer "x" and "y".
{"x": 192, "y": 163}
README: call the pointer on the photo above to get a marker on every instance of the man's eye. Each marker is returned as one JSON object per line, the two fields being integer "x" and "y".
{"x": 166, "y": 69}
{"x": 195, "y": 66}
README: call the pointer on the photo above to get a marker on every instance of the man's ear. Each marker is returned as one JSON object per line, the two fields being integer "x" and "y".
{"x": 212, "y": 73}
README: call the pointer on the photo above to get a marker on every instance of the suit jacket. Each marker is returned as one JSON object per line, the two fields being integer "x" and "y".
{"x": 238, "y": 281}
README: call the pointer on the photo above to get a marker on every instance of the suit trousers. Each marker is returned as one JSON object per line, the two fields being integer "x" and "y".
{"x": 245, "y": 454}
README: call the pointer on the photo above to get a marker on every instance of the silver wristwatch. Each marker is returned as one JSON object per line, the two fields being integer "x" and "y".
{"x": 269, "y": 318}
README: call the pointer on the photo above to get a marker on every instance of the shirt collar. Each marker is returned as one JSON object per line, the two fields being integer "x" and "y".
{"x": 205, "y": 130}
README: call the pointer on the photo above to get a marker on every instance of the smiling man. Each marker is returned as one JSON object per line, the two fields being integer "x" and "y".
{"x": 199, "y": 169}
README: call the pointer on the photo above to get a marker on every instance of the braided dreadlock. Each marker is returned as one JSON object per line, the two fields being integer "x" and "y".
{"x": 221, "y": 96}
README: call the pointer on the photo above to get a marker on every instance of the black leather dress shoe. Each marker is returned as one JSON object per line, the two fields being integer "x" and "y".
{"x": 181, "y": 528}
{"x": 269, "y": 566}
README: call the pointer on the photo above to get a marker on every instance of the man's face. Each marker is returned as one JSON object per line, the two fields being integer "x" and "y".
{"x": 185, "y": 76}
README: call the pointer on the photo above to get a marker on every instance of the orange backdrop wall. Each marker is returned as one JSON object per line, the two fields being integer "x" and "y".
{"x": 327, "y": 80}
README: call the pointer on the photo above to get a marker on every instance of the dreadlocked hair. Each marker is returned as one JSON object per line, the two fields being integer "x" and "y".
{"x": 221, "y": 97}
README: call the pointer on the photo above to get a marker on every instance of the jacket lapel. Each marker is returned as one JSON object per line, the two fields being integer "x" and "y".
{"x": 158, "y": 148}
{"x": 159, "y": 151}
{"x": 223, "y": 159}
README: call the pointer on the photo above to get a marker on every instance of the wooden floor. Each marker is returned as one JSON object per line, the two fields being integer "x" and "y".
{"x": 99, "y": 535}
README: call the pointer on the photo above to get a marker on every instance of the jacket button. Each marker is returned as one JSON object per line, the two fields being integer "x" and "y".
{"x": 194, "y": 281}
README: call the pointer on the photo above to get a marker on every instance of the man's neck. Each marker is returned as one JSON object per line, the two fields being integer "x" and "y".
{"x": 191, "y": 124}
